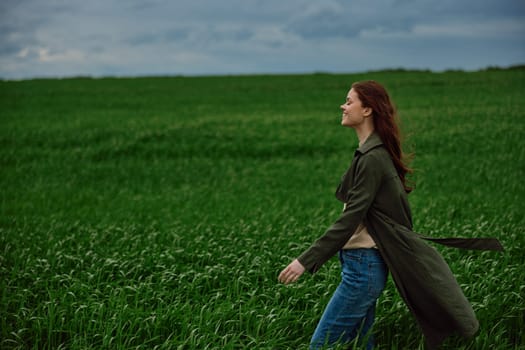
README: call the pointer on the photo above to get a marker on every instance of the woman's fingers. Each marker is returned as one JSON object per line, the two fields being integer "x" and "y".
{"x": 292, "y": 272}
{"x": 287, "y": 276}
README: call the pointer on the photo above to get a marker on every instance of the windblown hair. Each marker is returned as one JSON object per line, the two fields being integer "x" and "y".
{"x": 374, "y": 95}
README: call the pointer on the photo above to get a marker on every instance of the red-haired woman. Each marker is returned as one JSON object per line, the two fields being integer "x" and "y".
{"x": 374, "y": 235}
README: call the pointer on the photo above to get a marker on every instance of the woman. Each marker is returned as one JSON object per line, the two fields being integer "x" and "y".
{"x": 373, "y": 235}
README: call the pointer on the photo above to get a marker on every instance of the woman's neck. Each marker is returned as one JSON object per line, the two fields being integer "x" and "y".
{"x": 363, "y": 132}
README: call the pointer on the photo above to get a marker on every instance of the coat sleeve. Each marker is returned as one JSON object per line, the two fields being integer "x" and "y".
{"x": 367, "y": 180}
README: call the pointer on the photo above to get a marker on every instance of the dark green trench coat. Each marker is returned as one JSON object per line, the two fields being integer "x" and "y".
{"x": 374, "y": 195}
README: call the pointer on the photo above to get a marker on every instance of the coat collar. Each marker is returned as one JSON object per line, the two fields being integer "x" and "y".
{"x": 371, "y": 142}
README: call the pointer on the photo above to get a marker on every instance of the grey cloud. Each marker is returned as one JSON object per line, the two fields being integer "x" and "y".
{"x": 461, "y": 9}
{"x": 204, "y": 36}
{"x": 323, "y": 22}
{"x": 9, "y": 48}
{"x": 160, "y": 36}
{"x": 329, "y": 20}
{"x": 207, "y": 12}
{"x": 486, "y": 8}
{"x": 20, "y": 22}
{"x": 218, "y": 33}
{"x": 15, "y": 37}
{"x": 192, "y": 35}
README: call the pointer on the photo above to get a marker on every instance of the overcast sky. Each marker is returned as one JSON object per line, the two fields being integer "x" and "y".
{"x": 60, "y": 38}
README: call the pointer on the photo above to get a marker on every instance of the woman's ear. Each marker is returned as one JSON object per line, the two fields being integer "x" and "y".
{"x": 367, "y": 111}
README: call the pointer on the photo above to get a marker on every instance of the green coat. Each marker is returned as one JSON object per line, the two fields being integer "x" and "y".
{"x": 374, "y": 195}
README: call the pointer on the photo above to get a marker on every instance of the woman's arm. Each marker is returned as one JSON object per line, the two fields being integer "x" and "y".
{"x": 367, "y": 180}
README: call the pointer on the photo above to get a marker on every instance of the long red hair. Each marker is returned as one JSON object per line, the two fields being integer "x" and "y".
{"x": 374, "y": 95}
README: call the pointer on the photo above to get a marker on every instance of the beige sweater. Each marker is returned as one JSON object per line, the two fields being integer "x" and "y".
{"x": 360, "y": 239}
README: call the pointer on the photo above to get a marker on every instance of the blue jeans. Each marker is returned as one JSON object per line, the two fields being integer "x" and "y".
{"x": 351, "y": 311}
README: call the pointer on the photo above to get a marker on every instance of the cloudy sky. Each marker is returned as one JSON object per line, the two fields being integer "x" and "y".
{"x": 60, "y": 38}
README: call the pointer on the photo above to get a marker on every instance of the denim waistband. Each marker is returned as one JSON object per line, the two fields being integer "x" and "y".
{"x": 362, "y": 251}
{"x": 361, "y": 254}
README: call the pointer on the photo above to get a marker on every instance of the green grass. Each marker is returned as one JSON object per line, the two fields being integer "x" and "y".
{"x": 156, "y": 213}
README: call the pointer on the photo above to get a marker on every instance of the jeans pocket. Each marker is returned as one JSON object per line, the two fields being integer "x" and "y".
{"x": 350, "y": 255}
{"x": 376, "y": 278}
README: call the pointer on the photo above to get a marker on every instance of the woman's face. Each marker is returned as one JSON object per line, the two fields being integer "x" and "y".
{"x": 354, "y": 113}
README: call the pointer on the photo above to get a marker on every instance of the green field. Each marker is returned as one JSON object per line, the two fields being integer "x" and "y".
{"x": 156, "y": 213}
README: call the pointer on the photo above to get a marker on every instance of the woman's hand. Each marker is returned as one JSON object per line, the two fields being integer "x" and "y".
{"x": 292, "y": 272}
